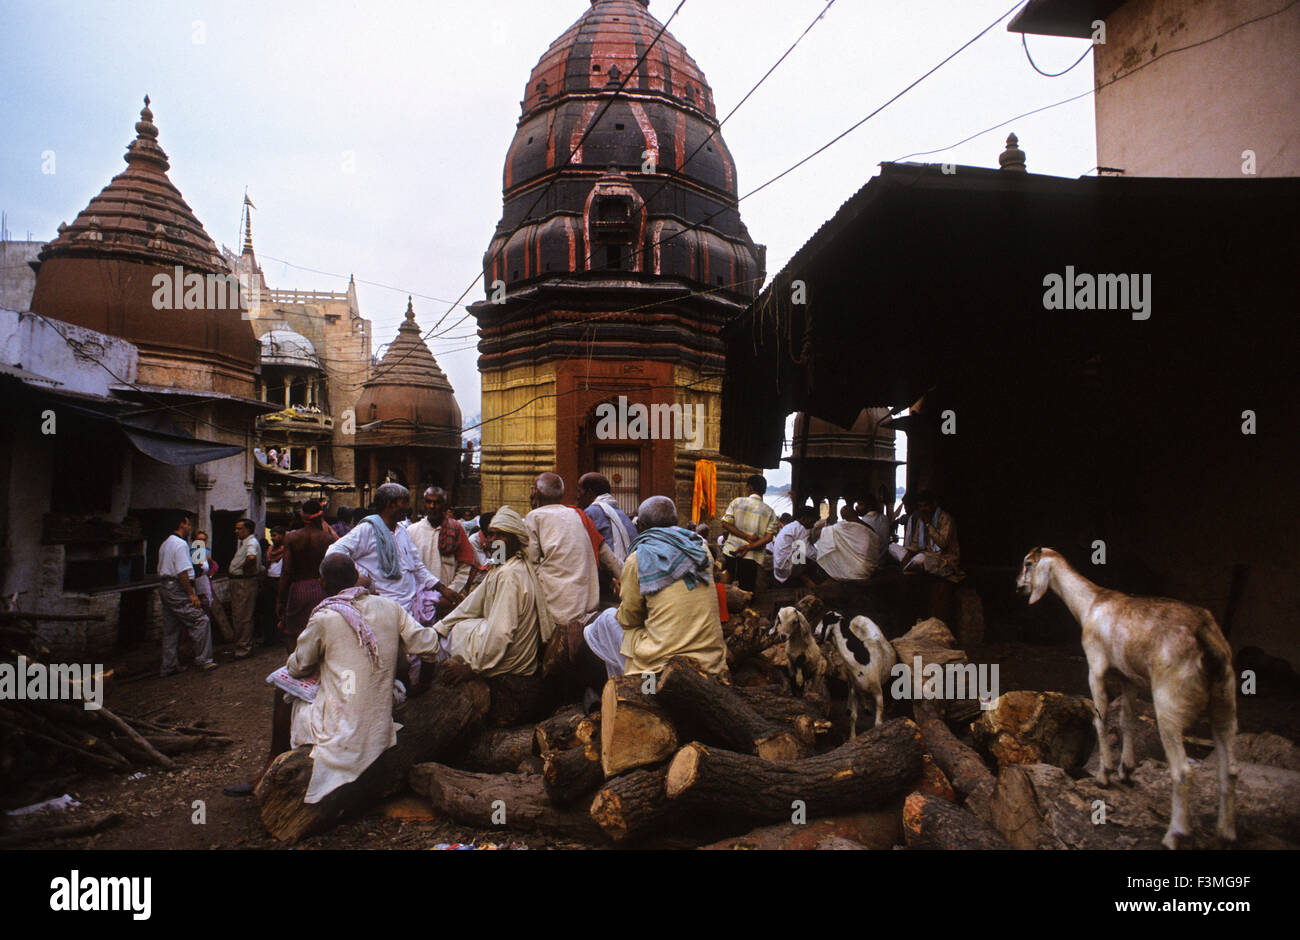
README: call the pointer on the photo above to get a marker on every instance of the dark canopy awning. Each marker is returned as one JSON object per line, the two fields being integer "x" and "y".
{"x": 925, "y": 277}
{"x": 154, "y": 435}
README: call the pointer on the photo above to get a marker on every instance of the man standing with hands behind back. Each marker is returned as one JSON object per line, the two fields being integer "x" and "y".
{"x": 750, "y": 524}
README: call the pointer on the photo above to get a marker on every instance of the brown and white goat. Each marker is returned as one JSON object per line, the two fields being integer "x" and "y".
{"x": 804, "y": 659}
{"x": 869, "y": 658}
{"x": 1172, "y": 648}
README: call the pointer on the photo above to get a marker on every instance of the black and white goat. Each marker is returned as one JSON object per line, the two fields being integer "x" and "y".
{"x": 869, "y": 658}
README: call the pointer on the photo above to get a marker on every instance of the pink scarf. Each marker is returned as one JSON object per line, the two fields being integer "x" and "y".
{"x": 341, "y": 604}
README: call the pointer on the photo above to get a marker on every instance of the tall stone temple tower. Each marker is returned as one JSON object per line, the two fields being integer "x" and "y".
{"x": 611, "y": 274}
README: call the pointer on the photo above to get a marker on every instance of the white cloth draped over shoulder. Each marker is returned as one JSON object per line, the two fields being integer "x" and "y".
{"x": 495, "y": 630}
{"x": 560, "y": 548}
{"x": 350, "y": 722}
{"x": 848, "y": 551}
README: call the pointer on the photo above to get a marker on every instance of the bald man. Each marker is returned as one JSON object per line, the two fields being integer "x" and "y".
{"x": 668, "y": 606}
{"x": 559, "y": 546}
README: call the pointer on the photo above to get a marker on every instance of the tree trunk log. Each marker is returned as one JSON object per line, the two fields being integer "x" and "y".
{"x": 499, "y": 750}
{"x": 572, "y": 774}
{"x": 962, "y": 766}
{"x": 1025, "y": 727}
{"x": 499, "y": 801}
{"x": 877, "y": 829}
{"x": 556, "y": 733}
{"x": 437, "y": 722}
{"x": 1038, "y": 806}
{"x": 862, "y": 774}
{"x": 151, "y": 753}
{"x": 803, "y": 715}
{"x": 634, "y": 804}
{"x": 635, "y": 731}
{"x": 722, "y": 716}
{"x": 933, "y": 823}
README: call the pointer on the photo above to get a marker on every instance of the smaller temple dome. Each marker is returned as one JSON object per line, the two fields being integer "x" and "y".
{"x": 287, "y": 348}
{"x": 408, "y": 401}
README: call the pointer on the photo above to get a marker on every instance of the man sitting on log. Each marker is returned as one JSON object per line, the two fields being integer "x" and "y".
{"x": 849, "y": 550}
{"x": 352, "y": 642}
{"x": 497, "y": 629}
{"x": 669, "y": 606}
{"x": 931, "y": 544}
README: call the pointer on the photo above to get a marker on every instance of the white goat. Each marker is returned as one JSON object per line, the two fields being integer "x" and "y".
{"x": 1175, "y": 650}
{"x": 869, "y": 657}
{"x": 804, "y": 659}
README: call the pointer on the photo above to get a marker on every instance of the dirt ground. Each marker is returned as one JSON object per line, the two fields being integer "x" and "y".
{"x": 158, "y": 809}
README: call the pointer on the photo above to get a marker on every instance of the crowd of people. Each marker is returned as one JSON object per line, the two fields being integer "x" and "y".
{"x": 361, "y": 605}
{"x": 808, "y": 550}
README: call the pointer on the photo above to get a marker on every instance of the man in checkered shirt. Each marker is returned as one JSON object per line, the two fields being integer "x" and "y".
{"x": 750, "y": 524}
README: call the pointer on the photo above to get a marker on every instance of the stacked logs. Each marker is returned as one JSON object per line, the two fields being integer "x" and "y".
{"x": 677, "y": 752}
{"x": 44, "y": 741}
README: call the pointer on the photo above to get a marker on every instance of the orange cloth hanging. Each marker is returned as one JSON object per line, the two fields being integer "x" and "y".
{"x": 704, "y": 503}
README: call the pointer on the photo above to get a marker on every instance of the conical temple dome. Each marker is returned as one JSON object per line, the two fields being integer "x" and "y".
{"x": 107, "y": 270}
{"x": 408, "y": 400}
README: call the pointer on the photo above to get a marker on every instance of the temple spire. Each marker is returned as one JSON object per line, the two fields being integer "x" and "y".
{"x": 145, "y": 149}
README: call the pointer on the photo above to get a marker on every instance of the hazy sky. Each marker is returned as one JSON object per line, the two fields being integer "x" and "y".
{"x": 420, "y": 100}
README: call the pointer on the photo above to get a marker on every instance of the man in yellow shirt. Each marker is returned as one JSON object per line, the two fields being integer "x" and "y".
{"x": 668, "y": 603}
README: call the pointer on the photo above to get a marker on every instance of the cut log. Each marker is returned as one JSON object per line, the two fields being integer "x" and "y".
{"x": 635, "y": 731}
{"x": 440, "y": 721}
{"x": 749, "y": 635}
{"x": 959, "y": 763}
{"x": 933, "y": 823}
{"x": 933, "y": 782}
{"x": 720, "y": 715}
{"x": 1038, "y": 806}
{"x": 570, "y": 775}
{"x": 499, "y": 750}
{"x": 877, "y": 829}
{"x": 634, "y": 805}
{"x": 879, "y": 765}
{"x": 560, "y": 731}
{"x": 499, "y": 801}
{"x": 1025, "y": 727}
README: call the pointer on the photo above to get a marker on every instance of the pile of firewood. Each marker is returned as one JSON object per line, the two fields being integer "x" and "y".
{"x": 45, "y": 743}
{"x": 677, "y": 759}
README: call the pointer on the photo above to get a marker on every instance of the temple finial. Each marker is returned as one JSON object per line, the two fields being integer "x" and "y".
{"x": 1013, "y": 158}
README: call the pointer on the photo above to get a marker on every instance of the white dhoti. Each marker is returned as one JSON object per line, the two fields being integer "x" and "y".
{"x": 604, "y": 637}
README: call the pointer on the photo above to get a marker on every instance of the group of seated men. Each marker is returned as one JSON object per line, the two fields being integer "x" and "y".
{"x": 808, "y": 549}
{"x": 392, "y": 589}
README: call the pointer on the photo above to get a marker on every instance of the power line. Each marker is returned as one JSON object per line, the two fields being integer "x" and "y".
{"x": 554, "y": 178}
{"x": 1101, "y": 85}
{"x": 1025, "y": 44}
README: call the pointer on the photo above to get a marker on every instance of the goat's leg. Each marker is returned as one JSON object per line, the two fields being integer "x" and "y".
{"x": 853, "y": 712}
{"x": 1171, "y": 724}
{"x": 1100, "y": 701}
{"x": 1127, "y": 709}
{"x": 1223, "y": 725}
{"x": 878, "y": 692}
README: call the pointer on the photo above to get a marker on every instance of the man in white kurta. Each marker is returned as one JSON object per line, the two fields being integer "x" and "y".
{"x": 848, "y": 550}
{"x": 561, "y": 549}
{"x": 362, "y": 545}
{"x": 451, "y": 572}
{"x": 350, "y": 723}
{"x": 496, "y": 630}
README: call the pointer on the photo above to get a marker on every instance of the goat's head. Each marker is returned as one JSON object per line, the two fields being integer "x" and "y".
{"x": 789, "y": 622}
{"x": 1035, "y": 574}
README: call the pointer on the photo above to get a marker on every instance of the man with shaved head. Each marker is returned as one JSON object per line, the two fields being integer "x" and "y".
{"x": 668, "y": 606}
{"x": 353, "y": 643}
{"x": 564, "y": 553}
